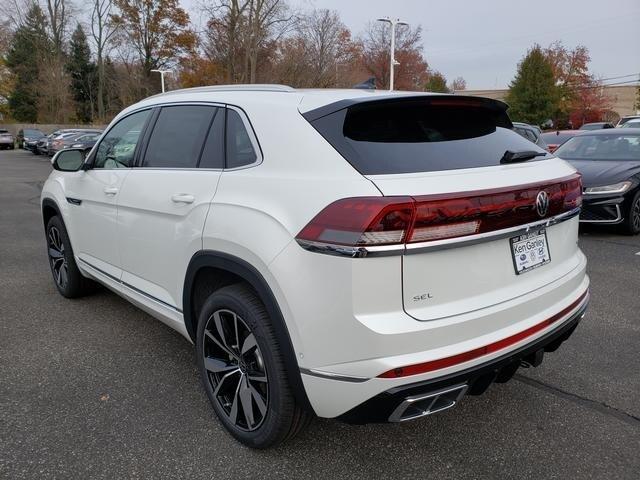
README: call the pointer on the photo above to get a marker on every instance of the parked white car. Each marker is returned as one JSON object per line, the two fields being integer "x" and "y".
{"x": 6, "y": 140}
{"x": 367, "y": 256}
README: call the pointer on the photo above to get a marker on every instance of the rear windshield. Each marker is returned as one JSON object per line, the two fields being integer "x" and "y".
{"x": 28, "y": 131}
{"x": 421, "y": 135}
{"x": 601, "y": 147}
{"x": 555, "y": 138}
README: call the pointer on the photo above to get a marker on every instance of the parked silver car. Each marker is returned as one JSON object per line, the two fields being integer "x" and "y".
{"x": 67, "y": 138}
{"x": 6, "y": 140}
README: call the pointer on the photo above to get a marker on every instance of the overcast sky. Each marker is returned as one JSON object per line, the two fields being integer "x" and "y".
{"x": 483, "y": 40}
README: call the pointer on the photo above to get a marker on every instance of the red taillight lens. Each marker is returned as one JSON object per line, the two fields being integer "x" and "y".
{"x": 362, "y": 221}
{"x": 369, "y": 221}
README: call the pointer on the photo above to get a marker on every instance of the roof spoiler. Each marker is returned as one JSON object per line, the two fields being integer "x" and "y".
{"x": 426, "y": 99}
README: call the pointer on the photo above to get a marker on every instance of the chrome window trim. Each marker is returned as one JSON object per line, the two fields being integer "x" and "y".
{"x": 618, "y": 218}
{"x": 245, "y": 121}
{"x": 413, "y": 248}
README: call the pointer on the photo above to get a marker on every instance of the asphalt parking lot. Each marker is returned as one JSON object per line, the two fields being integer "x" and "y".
{"x": 95, "y": 388}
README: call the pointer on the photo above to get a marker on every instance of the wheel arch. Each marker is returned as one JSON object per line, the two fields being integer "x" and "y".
{"x": 50, "y": 209}
{"x": 239, "y": 269}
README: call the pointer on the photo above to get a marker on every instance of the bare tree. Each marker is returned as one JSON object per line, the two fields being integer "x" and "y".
{"x": 55, "y": 104}
{"x": 458, "y": 84}
{"x": 240, "y": 32}
{"x": 223, "y": 35}
{"x": 12, "y": 12}
{"x": 412, "y": 72}
{"x": 321, "y": 53}
{"x": 103, "y": 31}
{"x": 57, "y": 11}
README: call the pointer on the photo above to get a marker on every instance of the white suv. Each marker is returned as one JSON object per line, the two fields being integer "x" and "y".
{"x": 370, "y": 256}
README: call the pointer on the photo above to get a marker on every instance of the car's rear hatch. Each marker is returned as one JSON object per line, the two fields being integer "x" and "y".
{"x": 448, "y": 154}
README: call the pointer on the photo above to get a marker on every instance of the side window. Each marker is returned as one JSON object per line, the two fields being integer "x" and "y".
{"x": 118, "y": 146}
{"x": 178, "y": 136}
{"x": 240, "y": 150}
{"x": 213, "y": 152}
{"x": 531, "y": 136}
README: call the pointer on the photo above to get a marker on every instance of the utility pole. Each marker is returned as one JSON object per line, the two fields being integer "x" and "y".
{"x": 393, "y": 61}
{"x": 162, "y": 72}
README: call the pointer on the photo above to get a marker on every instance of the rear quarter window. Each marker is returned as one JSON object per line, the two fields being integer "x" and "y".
{"x": 421, "y": 135}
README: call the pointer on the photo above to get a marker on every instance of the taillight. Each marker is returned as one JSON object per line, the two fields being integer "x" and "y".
{"x": 371, "y": 221}
{"x": 362, "y": 221}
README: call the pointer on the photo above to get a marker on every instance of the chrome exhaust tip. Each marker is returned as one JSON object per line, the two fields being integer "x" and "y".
{"x": 427, "y": 404}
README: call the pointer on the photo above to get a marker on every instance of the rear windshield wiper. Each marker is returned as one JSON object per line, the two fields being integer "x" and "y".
{"x": 512, "y": 157}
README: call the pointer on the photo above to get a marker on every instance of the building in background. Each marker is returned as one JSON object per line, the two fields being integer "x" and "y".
{"x": 623, "y": 98}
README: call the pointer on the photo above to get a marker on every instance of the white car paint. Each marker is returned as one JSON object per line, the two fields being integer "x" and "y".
{"x": 345, "y": 316}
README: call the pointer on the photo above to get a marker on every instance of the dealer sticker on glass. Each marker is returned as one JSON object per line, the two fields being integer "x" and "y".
{"x": 530, "y": 251}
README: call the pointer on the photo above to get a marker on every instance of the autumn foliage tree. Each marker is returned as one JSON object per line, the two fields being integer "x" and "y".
{"x": 412, "y": 71}
{"x": 158, "y": 31}
{"x": 581, "y": 98}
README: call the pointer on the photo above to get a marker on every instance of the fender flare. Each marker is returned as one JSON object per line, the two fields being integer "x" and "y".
{"x": 49, "y": 202}
{"x": 246, "y": 271}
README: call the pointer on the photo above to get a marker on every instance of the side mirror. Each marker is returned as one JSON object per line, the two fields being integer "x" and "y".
{"x": 70, "y": 160}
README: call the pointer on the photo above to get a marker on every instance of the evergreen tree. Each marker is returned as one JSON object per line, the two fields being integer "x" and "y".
{"x": 533, "y": 95}
{"x": 436, "y": 83}
{"x": 83, "y": 79}
{"x": 29, "y": 44}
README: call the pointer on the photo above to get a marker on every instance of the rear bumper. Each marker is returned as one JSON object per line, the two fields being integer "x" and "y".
{"x": 419, "y": 399}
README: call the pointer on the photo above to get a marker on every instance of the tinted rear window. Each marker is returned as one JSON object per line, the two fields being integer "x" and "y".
{"x": 240, "y": 151}
{"x": 420, "y": 135}
{"x": 557, "y": 138}
{"x": 178, "y": 136}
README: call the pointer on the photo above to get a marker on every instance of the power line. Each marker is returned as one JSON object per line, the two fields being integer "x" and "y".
{"x": 610, "y": 78}
{"x": 621, "y": 76}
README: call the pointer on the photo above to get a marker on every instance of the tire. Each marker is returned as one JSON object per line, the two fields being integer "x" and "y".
{"x": 249, "y": 391}
{"x": 66, "y": 276}
{"x": 631, "y": 223}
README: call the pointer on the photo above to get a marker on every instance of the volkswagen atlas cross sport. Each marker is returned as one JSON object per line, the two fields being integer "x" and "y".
{"x": 366, "y": 256}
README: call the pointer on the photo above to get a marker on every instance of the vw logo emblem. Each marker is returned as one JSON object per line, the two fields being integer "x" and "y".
{"x": 542, "y": 203}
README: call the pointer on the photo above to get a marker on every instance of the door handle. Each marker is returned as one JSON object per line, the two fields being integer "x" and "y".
{"x": 182, "y": 198}
{"x": 110, "y": 190}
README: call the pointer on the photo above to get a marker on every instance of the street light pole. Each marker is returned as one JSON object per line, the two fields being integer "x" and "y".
{"x": 393, "y": 61}
{"x": 162, "y": 72}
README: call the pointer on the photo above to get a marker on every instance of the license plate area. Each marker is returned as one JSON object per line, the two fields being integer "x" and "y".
{"x": 530, "y": 251}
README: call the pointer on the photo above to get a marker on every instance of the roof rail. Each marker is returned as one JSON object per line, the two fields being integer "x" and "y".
{"x": 243, "y": 87}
